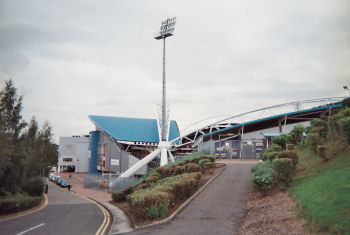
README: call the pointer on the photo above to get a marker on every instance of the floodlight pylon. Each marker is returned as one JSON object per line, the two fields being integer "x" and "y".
{"x": 167, "y": 29}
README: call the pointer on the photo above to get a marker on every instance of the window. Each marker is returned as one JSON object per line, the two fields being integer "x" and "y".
{"x": 67, "y": 159}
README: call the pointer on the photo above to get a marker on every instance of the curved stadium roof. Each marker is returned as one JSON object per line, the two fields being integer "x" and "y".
{"x": 133, "y": 129}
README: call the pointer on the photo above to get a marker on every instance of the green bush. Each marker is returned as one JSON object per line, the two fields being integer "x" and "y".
{"x": 141, "y": 186}
{"x": 283, "y": 172}
{"x": 153, "y": 212}
{"x": 203, "y": 161}
{"x": 152, "y": 179}
{"x": 163, "y": 210}
{"x": 346, "y": 103}
{"x": 280, "y": 140}
{"x": 273, "y": 149}
{"x": 120, "y": 195}
{"x": 33, "y": 186}
{"x": 344, "y": 124}
{"x": 262, "y": 176}
{"x": 322, "y": 152}
{"x": 164, "y": 193}
{"x": 18, "y": 202}
{"x": 293, "y": 155}
{"x": 192, "y": 167}
{"x": 271, "y": 156}
{"x": 296, "y": 135}
{"x": 290, "y": 146}
{"x": 313, "y": 139}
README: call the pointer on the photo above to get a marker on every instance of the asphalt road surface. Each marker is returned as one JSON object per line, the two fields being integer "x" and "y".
{"x": 66, "y": 213}
{"x": 215, "y": 211}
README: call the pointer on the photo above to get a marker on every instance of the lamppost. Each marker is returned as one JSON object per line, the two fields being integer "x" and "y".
{"x": 346, "y": 87}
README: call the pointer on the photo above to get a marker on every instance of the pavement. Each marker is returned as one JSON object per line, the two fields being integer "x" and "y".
{"x": 217, "y": 210}
{"x": 66, "y": 213}
{"x": 120, "y": 222}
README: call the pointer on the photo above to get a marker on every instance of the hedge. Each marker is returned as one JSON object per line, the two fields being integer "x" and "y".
{"x": 283, "y": 172}
{"x": 17, "y": 203}
{"x": 120, "y": 195}
{"x": 293, "y": 155}
{"x": 33, "y": 186}
{"x": 146, "y": 202}
{"x": 322, "y": 152}
{"x": 344, "y": 124}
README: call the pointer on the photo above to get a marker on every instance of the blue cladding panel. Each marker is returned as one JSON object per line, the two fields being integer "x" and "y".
{"x": 132, "y": 129}
{"x": 174, "y": 130}
{"x": 93, "y": 148}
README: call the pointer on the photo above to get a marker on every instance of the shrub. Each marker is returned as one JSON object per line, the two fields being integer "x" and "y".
{"x": 163, "y": 210}
{"x": 273, "y": 149}
{"x": 313, "y": 140}
{"x": 271, "y": 156}
{"x": 296, "y": 135}
{"x": 283, "y": 172}
{"x": 262, "y": 176}
{"x": 160, "y": 170}
{"x": 153, "y": 212}
{"x": 140, "y": 186}
{"x": 18, "y": 202}
{"x": 344, "y": 124}
{"x": 192, "y": 167}
{"x": 346, "y": 103}
{"x": 120, "y": 195}
{"x": 163, "y": 193}
{"x": 152, "y": 179}
{"x": 33, "y": 186}
{"x": 280, "y": 140}
{"x": 322, "y": 152}
{"x": 203, "y": 161}
{"x": 292, "y": 155}
{"x": 290, "y": 146}
{"x": 209, "y": 166}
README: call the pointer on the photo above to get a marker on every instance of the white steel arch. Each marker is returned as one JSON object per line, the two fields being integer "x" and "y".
{"x": 192, "y": 133}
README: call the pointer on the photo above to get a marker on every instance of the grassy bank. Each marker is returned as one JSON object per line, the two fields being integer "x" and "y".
{"x": 322, "y": 189}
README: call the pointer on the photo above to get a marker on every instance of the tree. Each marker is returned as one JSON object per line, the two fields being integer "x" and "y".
{"x": 11, "y": 125}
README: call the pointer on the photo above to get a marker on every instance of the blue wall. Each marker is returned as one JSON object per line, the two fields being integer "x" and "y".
{"x": 93, "y": 148}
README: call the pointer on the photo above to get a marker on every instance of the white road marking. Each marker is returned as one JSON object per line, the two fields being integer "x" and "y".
{"x": 31, "y": 229}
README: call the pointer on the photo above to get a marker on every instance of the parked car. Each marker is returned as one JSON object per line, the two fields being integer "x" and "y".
{"x": 64, "y": 183}
{"x": 58, "y": 180}
{"x": 52, "y": 177}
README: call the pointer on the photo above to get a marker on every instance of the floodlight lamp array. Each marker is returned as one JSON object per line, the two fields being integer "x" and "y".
{"x": 167, "y": 28}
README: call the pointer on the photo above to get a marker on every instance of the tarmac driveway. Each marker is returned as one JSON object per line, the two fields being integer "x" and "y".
{"x": 215, "y": 211}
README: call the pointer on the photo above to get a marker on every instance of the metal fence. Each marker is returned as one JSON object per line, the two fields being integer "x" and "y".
{"x": 111, "y": 182}
{"x": 246, "y": 149}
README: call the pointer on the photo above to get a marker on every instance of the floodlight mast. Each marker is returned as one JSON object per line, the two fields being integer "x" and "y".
{"x": 166, "y": 30}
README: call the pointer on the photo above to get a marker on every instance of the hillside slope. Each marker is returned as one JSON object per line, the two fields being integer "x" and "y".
{"x": 322, "y": 189}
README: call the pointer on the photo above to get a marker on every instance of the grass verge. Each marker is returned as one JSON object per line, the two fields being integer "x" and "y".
{"x": 322, "y": 189}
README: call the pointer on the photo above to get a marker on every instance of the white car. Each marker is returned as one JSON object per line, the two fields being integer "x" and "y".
{"x": 52, "y": 177}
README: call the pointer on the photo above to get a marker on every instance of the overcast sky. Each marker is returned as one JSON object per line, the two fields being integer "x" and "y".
{"x": 71, "y": 58}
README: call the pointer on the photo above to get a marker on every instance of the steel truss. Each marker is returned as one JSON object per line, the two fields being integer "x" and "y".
{"x": 195, "y": 132}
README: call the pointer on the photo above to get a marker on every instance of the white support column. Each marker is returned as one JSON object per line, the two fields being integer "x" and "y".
{"x": 143, "y": 162}
{"x": 171, "y": 156}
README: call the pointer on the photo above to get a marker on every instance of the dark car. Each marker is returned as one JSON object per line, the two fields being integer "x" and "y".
{"x": 58, "y": 181}
{"x": 64, "y": 183}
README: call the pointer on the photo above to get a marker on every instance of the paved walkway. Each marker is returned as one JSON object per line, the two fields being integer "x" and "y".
{"x": 217, "y": 210}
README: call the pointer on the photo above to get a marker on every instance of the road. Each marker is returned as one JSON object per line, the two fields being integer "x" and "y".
{"x": 66, "y": 213}
{"x": 217, "y": 210}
